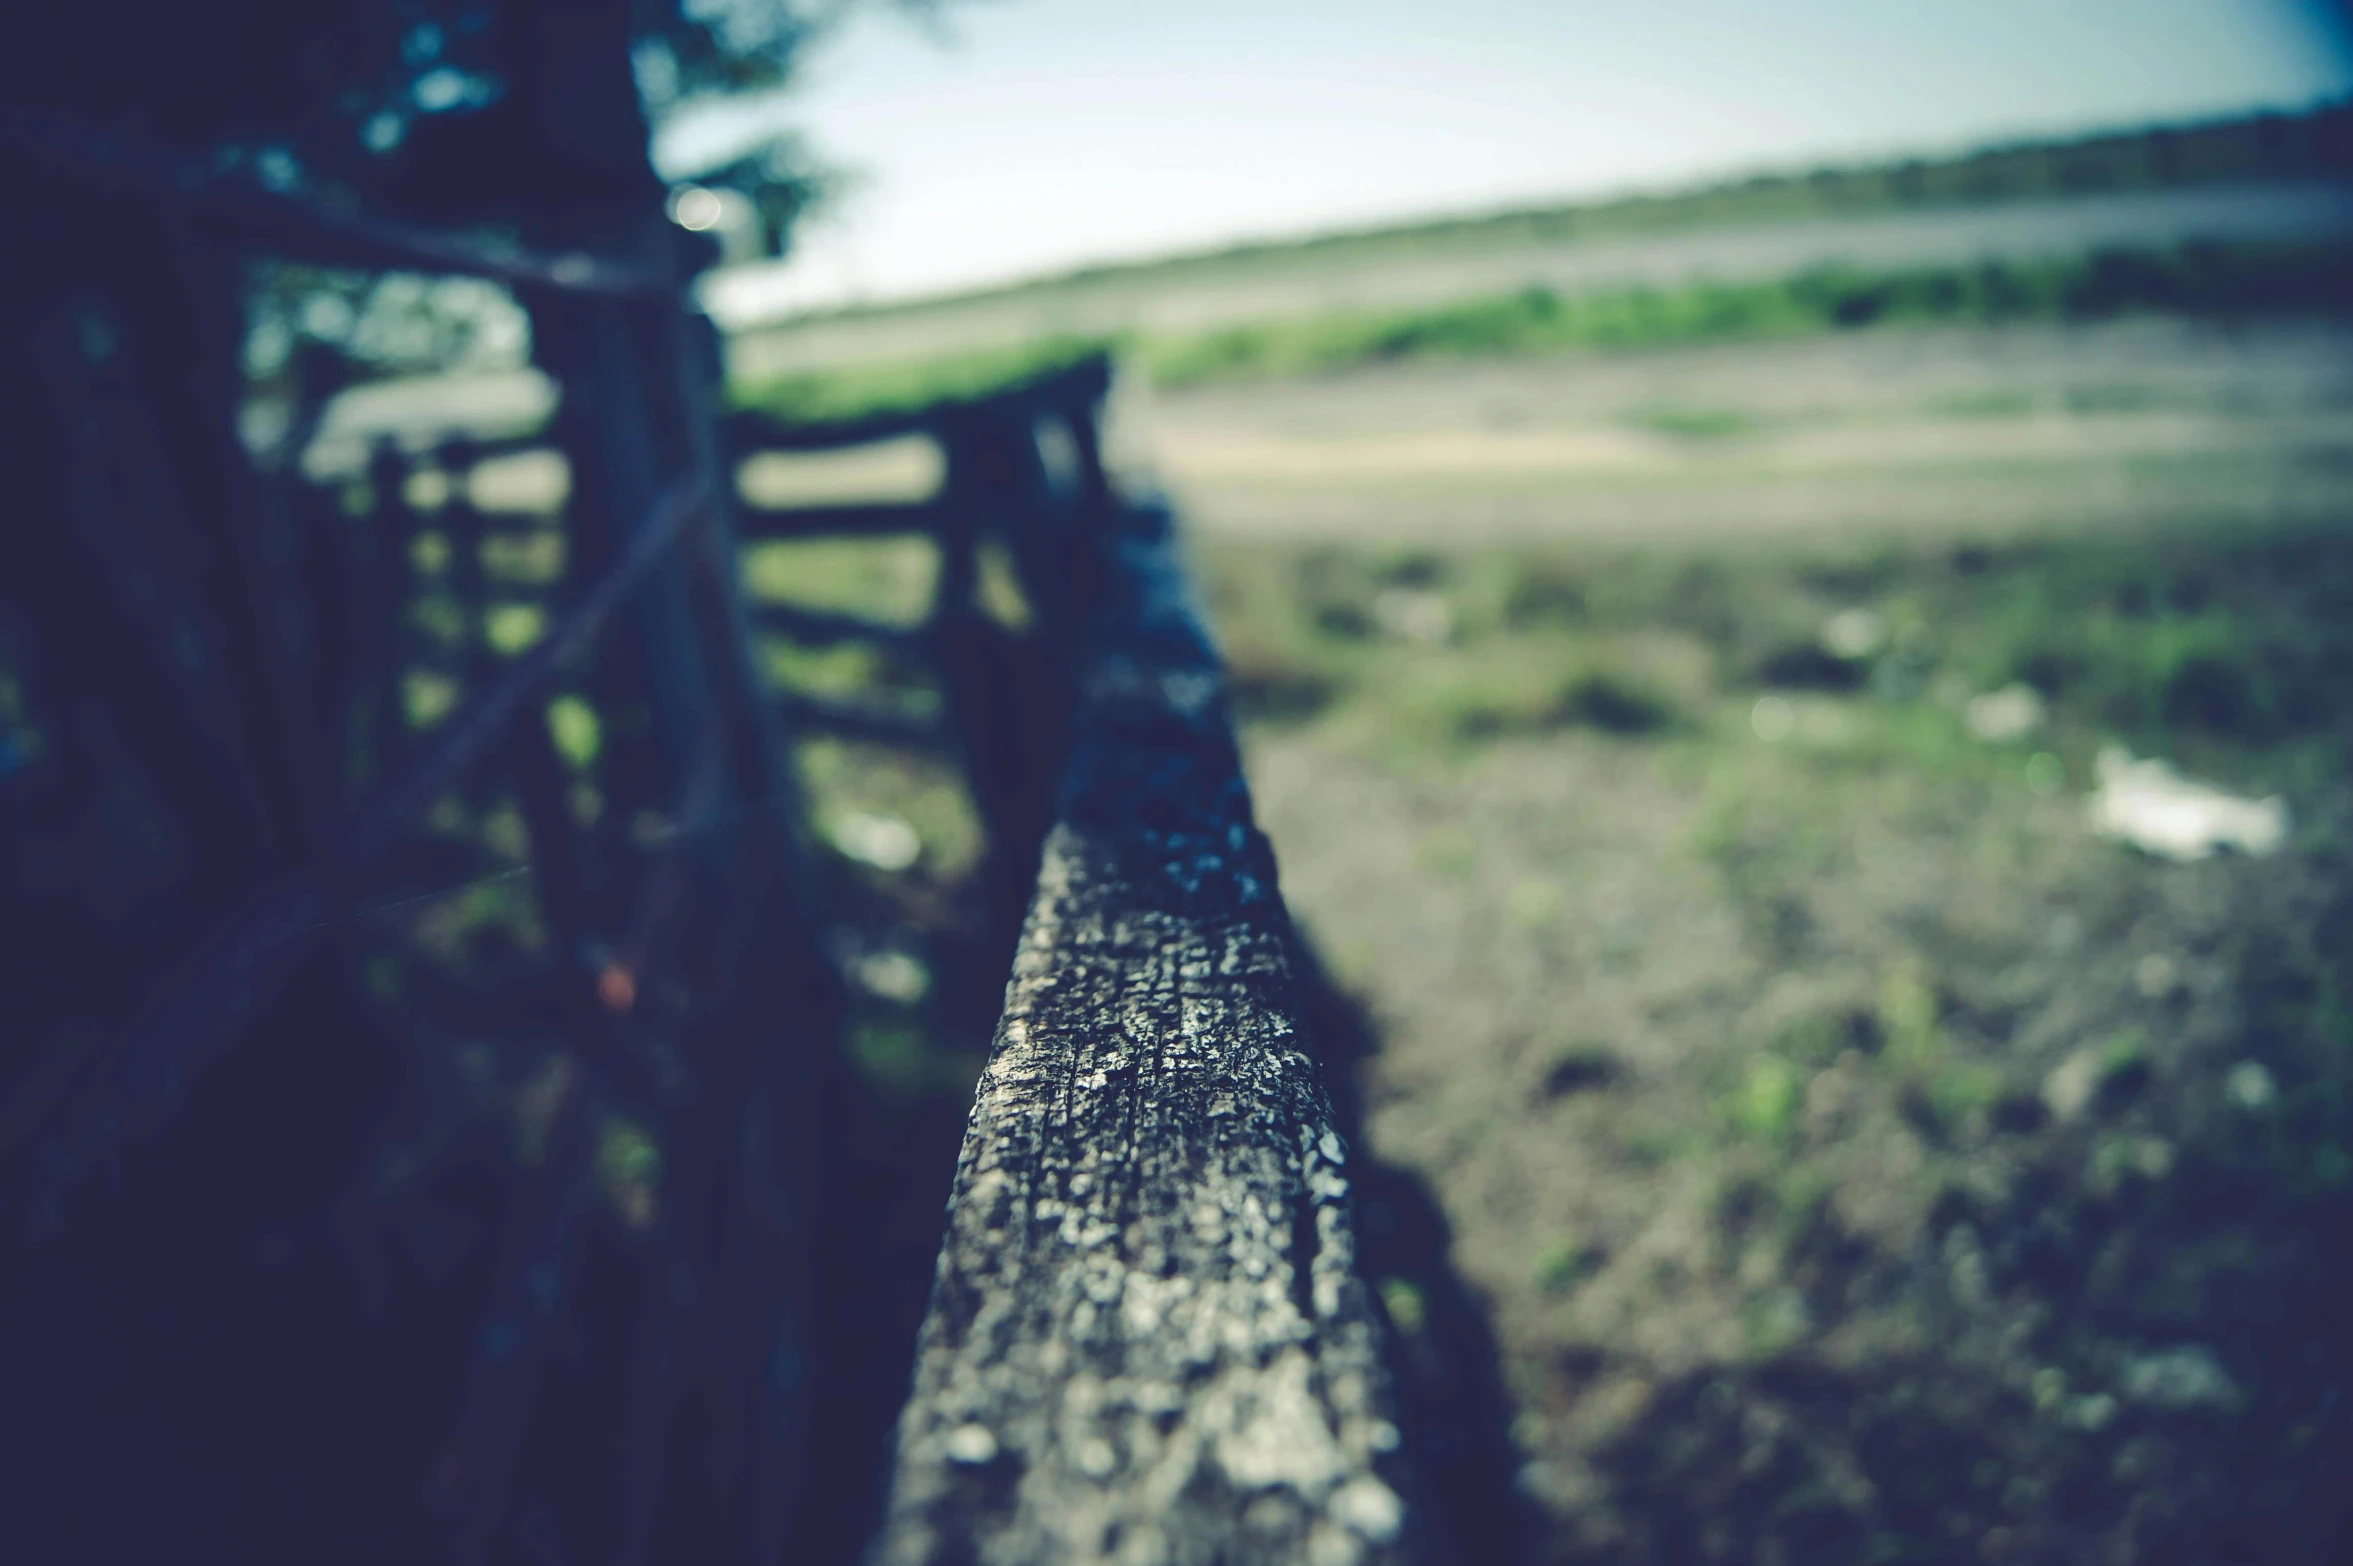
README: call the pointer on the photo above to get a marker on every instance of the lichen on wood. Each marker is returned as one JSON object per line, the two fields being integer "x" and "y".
{"x": 1147, "y": 1342}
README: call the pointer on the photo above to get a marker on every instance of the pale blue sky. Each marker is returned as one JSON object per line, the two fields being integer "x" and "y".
{"x": 1043, "y": 134}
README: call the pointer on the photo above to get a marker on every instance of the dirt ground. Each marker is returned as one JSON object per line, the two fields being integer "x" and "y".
{"x": 1854, "y": 1156}
{"x": 1705, "y": 1339}
{"x": 1988, "y": 431}
{"x": 1851, "y": 1154}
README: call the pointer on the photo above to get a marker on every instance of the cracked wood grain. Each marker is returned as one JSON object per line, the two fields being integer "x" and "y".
{"x": 1147, "y": 1342}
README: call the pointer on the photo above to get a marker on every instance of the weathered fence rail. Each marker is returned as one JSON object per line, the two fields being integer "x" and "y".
{"x": 1147, "y": 1340}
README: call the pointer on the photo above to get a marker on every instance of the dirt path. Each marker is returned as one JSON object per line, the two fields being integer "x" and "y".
{"x": 1739, "y": 1313}
{"x": 2022, "y": 428}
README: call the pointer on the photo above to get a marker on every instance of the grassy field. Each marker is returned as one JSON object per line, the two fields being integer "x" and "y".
{"x": 2216, "y": 280}
{"x": 2209, "y": 280}
{"x": 1860, "y": 1158}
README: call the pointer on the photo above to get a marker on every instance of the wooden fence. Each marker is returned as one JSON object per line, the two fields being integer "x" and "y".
{"x": 1147, "y": 1340}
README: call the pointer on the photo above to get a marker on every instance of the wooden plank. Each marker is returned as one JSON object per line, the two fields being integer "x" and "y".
{"x": 1009, "y": 691}
{"x": 1147, "y": 1340}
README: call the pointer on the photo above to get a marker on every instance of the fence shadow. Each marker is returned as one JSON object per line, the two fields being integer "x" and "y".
{"x": 1451, "y": 1404}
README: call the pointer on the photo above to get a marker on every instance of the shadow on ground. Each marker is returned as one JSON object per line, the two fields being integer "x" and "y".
{"x": 1442, "y": 1353}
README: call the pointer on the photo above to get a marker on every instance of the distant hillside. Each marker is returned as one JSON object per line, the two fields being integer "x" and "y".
{"x": 2250, "y": 149}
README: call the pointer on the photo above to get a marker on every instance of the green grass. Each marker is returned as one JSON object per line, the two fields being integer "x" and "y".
{"x": 2198, "y": 279}
{"x": 2228, "y": 656}
{"x": 1905, "y": 1253}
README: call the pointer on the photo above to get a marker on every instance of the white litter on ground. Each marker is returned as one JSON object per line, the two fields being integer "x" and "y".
{"x": 2154, "y": 808}
{"x": 2011, "y": 713}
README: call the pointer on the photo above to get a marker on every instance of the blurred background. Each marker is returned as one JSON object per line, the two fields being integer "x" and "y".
{"x": 1700, "y": 502}
{"x": 1788, "y": 579}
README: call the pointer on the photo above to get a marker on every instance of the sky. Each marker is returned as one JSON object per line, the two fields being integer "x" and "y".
{"x": 1021, "y": 137}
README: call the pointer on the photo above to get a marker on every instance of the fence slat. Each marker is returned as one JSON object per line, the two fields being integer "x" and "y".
{"x": 141, "y": 1075}
{"x": 1146, "y": 1339}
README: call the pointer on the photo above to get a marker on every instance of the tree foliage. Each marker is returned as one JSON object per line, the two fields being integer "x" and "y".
{"x": 441, "y": 110}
